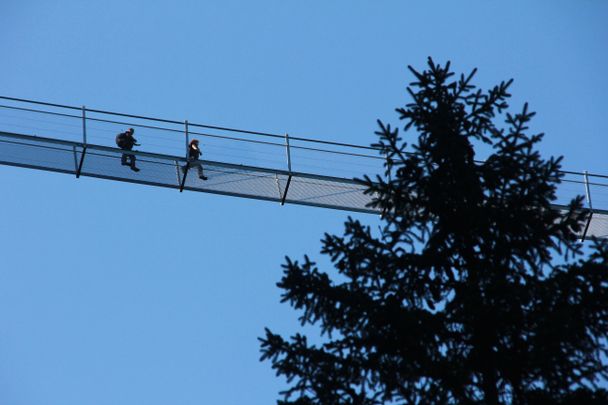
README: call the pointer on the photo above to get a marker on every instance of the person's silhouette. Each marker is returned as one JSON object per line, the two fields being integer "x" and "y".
{"x": 126, "y": 141}
{"x": 194, "y": 152}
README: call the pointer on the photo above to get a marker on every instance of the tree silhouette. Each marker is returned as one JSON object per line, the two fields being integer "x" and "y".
{"x": 475, "y": 289}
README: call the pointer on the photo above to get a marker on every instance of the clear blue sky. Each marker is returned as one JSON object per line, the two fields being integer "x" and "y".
{"x": 115, "y": 293}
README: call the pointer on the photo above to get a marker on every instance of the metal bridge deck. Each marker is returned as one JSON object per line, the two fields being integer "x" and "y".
{"x": 165, "y": 171}
{"x": 243, "y": 163}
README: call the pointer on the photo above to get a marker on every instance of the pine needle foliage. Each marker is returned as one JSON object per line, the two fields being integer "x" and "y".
{"x": 475, "y": 289}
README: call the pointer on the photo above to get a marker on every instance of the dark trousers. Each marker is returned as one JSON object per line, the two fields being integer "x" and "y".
{"x": 128, "y": 159}
{"x": 194, "y": 163}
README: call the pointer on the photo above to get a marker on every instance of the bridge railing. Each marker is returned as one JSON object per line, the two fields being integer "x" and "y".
{"x": 165, "y": 136}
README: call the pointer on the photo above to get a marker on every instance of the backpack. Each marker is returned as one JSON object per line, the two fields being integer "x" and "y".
{"x": 121, "y": 140}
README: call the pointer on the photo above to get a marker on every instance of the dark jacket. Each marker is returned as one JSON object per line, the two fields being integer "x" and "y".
{"x": 125, "y": 141}
{"x": 194, "y": 154}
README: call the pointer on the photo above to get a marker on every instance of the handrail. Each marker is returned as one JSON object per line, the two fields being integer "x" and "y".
{"x": 191, "y": 132}
{"x": 169, "y": 121}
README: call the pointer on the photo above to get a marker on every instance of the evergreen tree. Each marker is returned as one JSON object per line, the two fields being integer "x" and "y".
{"x": 475, "y": 289}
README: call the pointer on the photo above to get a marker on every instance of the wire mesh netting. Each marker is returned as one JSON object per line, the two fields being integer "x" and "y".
{"x": 38, "y": 153}
{"x": 598, "y": 226}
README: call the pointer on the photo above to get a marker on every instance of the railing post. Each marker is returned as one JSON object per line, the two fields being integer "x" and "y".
{"x": 389, "y": 178}
{"x": 589, "y": 204}
{"x": 288, "y": 152}
{"x": 587, "y": 191}
{"x": 84, "y": 141}
{"x": 288, "y": 149}
{"x": 181, "y": 186}
{"x": 84, "y": 125}
{"x": 187, "y": 137}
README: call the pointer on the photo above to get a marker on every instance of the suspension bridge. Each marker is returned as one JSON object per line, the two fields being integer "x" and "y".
{"x": 240, "y": 163}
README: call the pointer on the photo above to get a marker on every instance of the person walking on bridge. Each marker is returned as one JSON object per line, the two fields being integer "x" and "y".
{"x": 194, "y": 152}
{"x": 126, "y": 141}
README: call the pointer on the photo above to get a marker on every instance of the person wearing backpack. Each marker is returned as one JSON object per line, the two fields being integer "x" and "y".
{"x": 126, "y": 141}
{"x": 194, "y": 152}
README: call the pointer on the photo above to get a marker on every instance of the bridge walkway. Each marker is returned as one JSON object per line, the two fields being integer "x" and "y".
{"x": 241, "y": 163}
